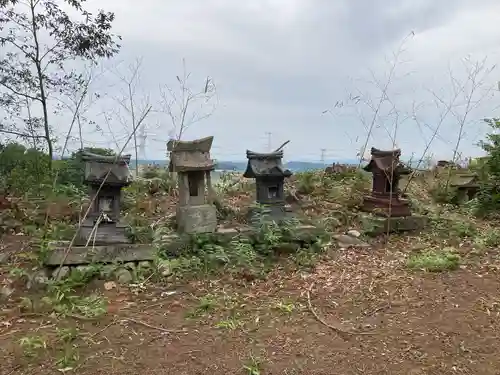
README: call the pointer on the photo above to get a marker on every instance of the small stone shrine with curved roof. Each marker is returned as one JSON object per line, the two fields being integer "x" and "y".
{"x": 105, "y": 176}
{"x": 385, "y": 199}
{"x": 269, "y": 173}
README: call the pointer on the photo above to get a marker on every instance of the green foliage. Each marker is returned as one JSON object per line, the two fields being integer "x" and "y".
{"x": 247, "y": 256}
{"x": 40, "y": 39}
{"x": 435, "y": 260}
{"x": 489, "y": 195}
{"x": 23, "y": 170}
{"x": 443, "y": 193}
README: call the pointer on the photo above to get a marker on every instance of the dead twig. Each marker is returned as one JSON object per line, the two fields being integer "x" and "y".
{"x": 283, "y": 145}
{"x": 337, "y": 327}
{"x": 161, "y": 329}
{"x": 103, "y": 329}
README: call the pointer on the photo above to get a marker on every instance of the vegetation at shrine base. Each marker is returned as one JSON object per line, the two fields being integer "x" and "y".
{"x": 416, "y": 302}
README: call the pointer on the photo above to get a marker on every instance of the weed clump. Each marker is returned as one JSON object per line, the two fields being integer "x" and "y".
{"x": 434, "y": 261}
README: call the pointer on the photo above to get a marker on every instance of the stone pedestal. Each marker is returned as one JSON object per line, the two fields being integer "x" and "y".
{"x": 272, "y": 212}
{"x": 385, "y": 206}
{"x": 375, "y": 225}
{"x": 197, "y": 219}
{"x": 105, "y": 234}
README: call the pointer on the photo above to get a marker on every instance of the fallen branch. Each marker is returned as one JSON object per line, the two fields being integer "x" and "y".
{"x": 337, "y": 328}
{"x": 161, "y": 329}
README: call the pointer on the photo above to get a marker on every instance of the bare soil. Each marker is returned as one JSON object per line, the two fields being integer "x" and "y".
{"x": 377, "y": 317}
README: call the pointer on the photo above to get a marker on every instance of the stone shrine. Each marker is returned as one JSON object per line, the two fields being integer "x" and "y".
{"x": 385, "y": 199}
{"x": 269, "y": 173}
{"x": 196, "y": 212}
{"x": 467, "y": 185}
{"x": 105, "y": 176}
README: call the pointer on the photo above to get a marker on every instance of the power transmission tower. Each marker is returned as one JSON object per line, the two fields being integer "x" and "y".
{"x": 142, "y": 142}
{"x": 268, "y": 134}
{"x": 323, "y": 150}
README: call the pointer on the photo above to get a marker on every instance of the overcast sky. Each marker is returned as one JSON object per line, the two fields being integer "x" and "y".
{"x": 280, "y": 64}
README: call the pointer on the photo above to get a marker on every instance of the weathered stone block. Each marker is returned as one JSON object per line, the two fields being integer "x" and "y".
{"x": 197, "y": 219}
{"x": 117, "y": 253}
{"x": 375, "y": 225}
{"x": 105, "y": 234}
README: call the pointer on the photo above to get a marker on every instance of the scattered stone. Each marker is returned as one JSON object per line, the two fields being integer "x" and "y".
{"x": 83, "y": 269}
{"x": 60, "y": 273}
{"x": 354, "y": 233}
{"x": 4, "y": 257}
{"x": 109, "y": 285}
{"x": 107, "y": 271}
{"x": 145, "y": 264}
{"x": 346, "y": 241}
{"x": 6, "y": 291}
{"x": 164, "y": 269}
{"x": 124, "y": 276}
{"x": 130, "y": 266}
{"x": 41, "y": 277}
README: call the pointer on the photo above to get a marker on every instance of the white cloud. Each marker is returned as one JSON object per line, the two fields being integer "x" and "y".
{"x": 280, "y": 63}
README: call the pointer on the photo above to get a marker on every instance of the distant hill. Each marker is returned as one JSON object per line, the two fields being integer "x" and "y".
{"x": 240, "y": 166}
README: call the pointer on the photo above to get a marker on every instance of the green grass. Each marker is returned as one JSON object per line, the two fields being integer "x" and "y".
{"x": 434, "y": 261}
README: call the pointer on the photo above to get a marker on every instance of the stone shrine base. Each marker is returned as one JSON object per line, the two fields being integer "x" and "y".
{"x": 196, "y": 219}
{"x": 173, "y": 244}
{"x": 278, "y": 213}
{"x": 116, "y": 253}
{"x": 106, "y": 233}
{"x": 375, "y": 225}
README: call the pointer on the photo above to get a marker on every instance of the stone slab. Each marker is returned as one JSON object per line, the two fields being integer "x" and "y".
{"x": 375, "y": 225}
{"x": 172, "y": 243}
{"x": 197, "y": 219}
{"x": 106, "y": 234}
{"x": 99, "y": 254}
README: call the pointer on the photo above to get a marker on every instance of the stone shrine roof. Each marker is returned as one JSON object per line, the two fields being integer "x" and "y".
{"x": 97, "y": 167}
{"x": 465, "y": 180}
{"x": 265, "y": 164}
{"x": 188, "y": 156}
{"x": 386, "y": 161}
{"x": 91, "y": 157}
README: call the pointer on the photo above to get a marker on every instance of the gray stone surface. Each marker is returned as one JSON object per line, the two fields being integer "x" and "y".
{"x": 197, "y": 219}
{"x": 373, "y": 225}
{"x": 61, "y": 273}
{"x": 6, "y": 291}
{"x": 101, "y": 254}
{"x": 124, "y": 276}
{"x": 271, "y": 212}
{"x": 354, "y": 233}
{"x": 107, "y": 271}
{"x": 346, "y": 241}
{"x": 106, "y": 234}
{"x": 4, "y": 257}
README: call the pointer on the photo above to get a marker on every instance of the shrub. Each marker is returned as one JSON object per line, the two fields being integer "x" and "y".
{"x": 23, "y": 170}
{"x": 489, "y": 194}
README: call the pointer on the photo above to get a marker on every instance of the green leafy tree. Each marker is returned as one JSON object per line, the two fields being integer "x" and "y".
{"x": 489, "y": 195}
{"x": 23, "y": 170}
{"x": 38, "y": 40}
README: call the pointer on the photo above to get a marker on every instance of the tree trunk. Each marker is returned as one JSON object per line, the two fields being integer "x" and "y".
{"x": 43, "y": 97}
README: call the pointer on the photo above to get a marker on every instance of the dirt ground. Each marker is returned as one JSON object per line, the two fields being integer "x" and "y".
{"x": 357, "y": 312}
